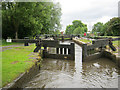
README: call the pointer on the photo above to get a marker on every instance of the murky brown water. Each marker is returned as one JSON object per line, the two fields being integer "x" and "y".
{"x": 101, "y": 73}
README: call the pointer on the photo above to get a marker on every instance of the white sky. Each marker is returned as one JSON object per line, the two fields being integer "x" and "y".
{"x": 88, "y": 11}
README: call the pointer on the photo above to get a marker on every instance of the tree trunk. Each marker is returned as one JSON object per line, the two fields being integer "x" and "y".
{"x": 16, "y": 31}
{"x": 16, "y": 35}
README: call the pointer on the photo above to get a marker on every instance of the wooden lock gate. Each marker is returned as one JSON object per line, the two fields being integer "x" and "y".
{"x": 63, "y": 51}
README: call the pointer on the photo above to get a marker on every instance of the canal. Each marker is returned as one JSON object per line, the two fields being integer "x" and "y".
{"x": 99, "y": 73}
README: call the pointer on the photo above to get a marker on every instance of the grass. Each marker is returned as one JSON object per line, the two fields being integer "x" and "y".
{"x": 64, "y": 38}
{"x": 86, "y": 41}
{"x": 15, "y": 61}
{"x": 0, "y": 69}
{"x": 4, "y": 43}
{"x": 116, "y": 43}
{"x": 110, "y": 36}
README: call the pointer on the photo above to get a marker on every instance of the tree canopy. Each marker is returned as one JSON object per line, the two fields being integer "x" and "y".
{"x": 97, "y": 27}
{"x": 110, "y": 28}
{"x": 77, "y": 27}
{"x": 20, "y": 19}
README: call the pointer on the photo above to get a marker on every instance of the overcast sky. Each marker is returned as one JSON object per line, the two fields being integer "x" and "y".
{"x": 88, "y": 11}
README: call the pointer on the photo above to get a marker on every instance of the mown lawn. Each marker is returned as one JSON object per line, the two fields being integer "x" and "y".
{"x": 16, "y": 61}
{"x": 4, "y": 43}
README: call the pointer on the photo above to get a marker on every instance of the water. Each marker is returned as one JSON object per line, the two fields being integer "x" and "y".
{"x": 100, "y": 73}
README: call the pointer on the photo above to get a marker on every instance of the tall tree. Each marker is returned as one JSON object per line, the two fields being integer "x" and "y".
{"x": 13, "y": 11}
{"x": 110, "y": 28}
{"x": 30, "y": 18}
{"x": 113, "y": 27}
{"x": 77, "y": 27}
{"x": 69, "y": 29}
{"x": 98, "y": 27}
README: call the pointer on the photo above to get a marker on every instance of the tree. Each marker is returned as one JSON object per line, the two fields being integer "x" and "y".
{"x": 105, "y": 26}
{"x": 77, "y": 26}
{"x": 98, "y": 27}
{"x": 79, "y": 30}
{"x": 69, "y": 29}
{"x": 22, "y": 19}
{"x": 113, "y": 28}
{"x": 77, "y": 23}
{"x": 110, "y": 28}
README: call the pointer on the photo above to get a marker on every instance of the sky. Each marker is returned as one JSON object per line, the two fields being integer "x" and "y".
{"x": 88, "y": 11}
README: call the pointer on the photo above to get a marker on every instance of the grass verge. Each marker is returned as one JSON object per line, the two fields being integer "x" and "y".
{"x": 4, "y": 43}
{"x": 86, "y": 41}
{"x": 16, "y": 61}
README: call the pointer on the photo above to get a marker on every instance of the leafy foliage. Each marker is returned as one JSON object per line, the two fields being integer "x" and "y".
{"x": 22, "y": 19}
{"x": 77, "y": 27}
{"x": 69, "y": 29}
{"x": 97, "y": 27}
{"x": 111, "y": 28}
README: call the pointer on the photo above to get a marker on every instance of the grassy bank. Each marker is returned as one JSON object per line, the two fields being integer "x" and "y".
{"x": 4, "y": 43}
{"x": 89, "y": 42}
{"x": 16, "y": 61}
